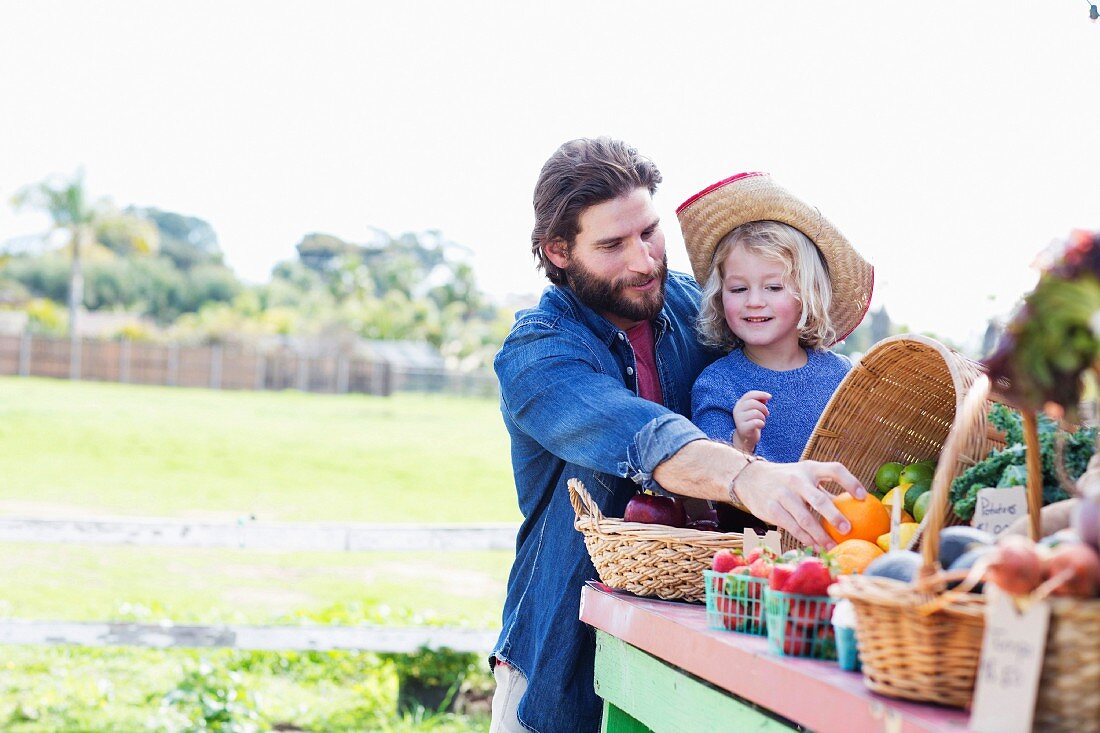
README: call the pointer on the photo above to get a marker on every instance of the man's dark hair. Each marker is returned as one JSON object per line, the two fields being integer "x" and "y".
{"x": 583, "y": 173}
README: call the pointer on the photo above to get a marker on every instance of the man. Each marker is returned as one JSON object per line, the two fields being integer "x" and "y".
{"x": 595, "y": 384}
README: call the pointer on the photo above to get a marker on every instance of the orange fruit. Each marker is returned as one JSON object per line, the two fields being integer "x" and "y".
{"x": 868, "y": 517}
{"x": 853, "y": 556}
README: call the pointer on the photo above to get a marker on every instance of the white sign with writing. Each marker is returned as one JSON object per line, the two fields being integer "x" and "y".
{"x": 998, "y": 508}
{"x": 1010, "y": 664}
{"x": 771, "y": 540}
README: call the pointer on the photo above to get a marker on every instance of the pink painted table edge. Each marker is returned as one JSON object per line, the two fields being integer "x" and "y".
{"x": 815, "y": 694}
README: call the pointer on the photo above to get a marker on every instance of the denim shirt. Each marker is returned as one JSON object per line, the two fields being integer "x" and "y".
{"x": 569, "y": 397}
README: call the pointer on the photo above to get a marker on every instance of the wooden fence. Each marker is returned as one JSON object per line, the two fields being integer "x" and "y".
{"x": 254, "y": 535}
{"x": 225, "y": 366}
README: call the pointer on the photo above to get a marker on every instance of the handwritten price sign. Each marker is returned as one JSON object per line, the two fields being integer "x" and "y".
{"x": 998, "y": 508}
{"x": 1011, "y": 662}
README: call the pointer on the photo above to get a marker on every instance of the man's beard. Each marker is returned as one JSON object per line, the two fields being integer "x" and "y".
{"x": 610, "y": 297}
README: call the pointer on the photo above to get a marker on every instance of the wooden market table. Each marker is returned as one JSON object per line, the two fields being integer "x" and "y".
{"x": 660, "y": 669}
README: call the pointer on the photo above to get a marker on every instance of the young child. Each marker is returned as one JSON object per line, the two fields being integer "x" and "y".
{"x": 774, "y": 298}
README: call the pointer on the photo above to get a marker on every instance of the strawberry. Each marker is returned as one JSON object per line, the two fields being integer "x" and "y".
{"x": 780, "y": 576}
{"x": 811, "y": 577}
{"x": 761, "y": 567}
{"x": 797, "y": 641}
{"x": 758, "y": 552}
{"x": 726, "y": 560}
{"x": 725, "y": 607}
{"x": 740, "y": 570}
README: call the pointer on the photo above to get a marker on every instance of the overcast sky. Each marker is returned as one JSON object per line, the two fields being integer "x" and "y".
{"x": 950, "y": 141}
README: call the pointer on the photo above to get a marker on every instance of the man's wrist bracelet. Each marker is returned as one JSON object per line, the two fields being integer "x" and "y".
{"x": 732, "y": 491}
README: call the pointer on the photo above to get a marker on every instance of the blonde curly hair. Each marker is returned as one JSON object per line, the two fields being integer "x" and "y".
{"x": 804, "y": 271}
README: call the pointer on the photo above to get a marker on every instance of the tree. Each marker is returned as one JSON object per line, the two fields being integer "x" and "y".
{"x": 186, "y": 240}
{"x": 66, "y": 203}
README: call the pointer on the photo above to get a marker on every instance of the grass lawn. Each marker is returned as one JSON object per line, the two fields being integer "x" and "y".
{"x": 84, "y": 448}
{"x": 148, "y": 584}
{"x": 112, "y": 449}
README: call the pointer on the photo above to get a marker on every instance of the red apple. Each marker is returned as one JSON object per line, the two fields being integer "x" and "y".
{"x": 654, "y": 509}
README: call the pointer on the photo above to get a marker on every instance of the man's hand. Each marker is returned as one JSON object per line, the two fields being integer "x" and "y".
{"x": 779, "y": 494}
{"x": 749, "y": 415}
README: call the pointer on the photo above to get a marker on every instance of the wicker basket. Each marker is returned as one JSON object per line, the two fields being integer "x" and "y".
{"x": 1069, "y": 687}
{"x": 898, "y": 404}
{"x": 647, "y": 559}
{"x": 915, "y": 641}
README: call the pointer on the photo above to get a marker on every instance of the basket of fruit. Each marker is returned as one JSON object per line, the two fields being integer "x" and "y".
{"x": 917, "y": 639}
{"x": 735, "y": 591}
{"x": 890, "y": 416}
{"x": 798, "y": 609}
{"x": 647, "y": 558}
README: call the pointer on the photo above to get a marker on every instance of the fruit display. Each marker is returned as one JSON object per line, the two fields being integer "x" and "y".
{"x": 799, "y": 610}
{"x": 735, "y": 589}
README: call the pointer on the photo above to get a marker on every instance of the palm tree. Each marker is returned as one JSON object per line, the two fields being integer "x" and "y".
{"x": 66, "y": 203}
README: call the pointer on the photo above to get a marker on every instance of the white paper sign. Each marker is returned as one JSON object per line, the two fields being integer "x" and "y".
{"x": 1010, "y": 664}
{"x": 771, "y": 540}
{"x": 998, "y": 508}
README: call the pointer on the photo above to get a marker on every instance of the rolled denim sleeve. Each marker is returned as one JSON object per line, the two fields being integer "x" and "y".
{"x": 656, "y": 442}
{"x": 554, "y": 387}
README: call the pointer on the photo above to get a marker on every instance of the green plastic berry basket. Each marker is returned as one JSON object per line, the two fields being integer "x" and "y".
{"x": 800, "y": 626}
{"x": 735, "y": 602}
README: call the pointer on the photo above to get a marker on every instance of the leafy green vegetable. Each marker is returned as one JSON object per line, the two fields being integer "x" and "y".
{"x": 1007, "y": 467}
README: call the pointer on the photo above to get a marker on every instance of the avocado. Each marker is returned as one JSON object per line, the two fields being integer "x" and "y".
{"x": 900, "y": 565}
{"x": 966, "y": 561}
{"x": 954, "y": 541}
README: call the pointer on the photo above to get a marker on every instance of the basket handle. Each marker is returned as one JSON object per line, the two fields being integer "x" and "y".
{"x": 1034, "y": 473}
{"x": 967, "y": 419}
{"x": 583, "y": 503}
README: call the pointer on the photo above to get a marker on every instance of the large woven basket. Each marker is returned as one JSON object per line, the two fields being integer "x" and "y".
{"x": 1069, "y": 685}
{"x": 647, "y": 559}
{"x": 898, "y": 404}
{"x": 915, "y": 641}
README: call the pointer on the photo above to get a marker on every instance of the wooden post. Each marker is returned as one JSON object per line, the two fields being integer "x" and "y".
{"x": 216, "y": 366}
{"x": 173, "y": 376}
{"x": 303, "y": 372}
{"x": 25, "y": 344}
{"x": 342, "y": 375}
{"x": 387, "y": 379}
{"x": 76, "y": 346}
{"x": 124, "y": 361}
{"x": 261, "y": 371}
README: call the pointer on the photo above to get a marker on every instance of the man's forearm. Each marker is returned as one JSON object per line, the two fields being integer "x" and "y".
{"x": 703, "y": 469}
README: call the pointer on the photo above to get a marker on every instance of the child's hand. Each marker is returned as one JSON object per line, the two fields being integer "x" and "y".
{"x": 749, "y": 415}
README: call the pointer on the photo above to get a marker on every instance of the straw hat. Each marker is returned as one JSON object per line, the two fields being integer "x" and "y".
{"x": 717, "y": 210}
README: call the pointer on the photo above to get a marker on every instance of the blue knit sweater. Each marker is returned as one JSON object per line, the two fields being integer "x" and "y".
{"x": 798, "y": 398}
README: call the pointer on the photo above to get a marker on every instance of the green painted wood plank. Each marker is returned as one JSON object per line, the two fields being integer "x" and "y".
{"x": 665, "y": 699}
{"x": 617, "y": 721}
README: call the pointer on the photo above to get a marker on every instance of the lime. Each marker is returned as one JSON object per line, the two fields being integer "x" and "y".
{"x": 915, "y": 492}
{"x": 887, "y": 476}
{"x": 920, "y": 506}
{"x": 917, "y": 473}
